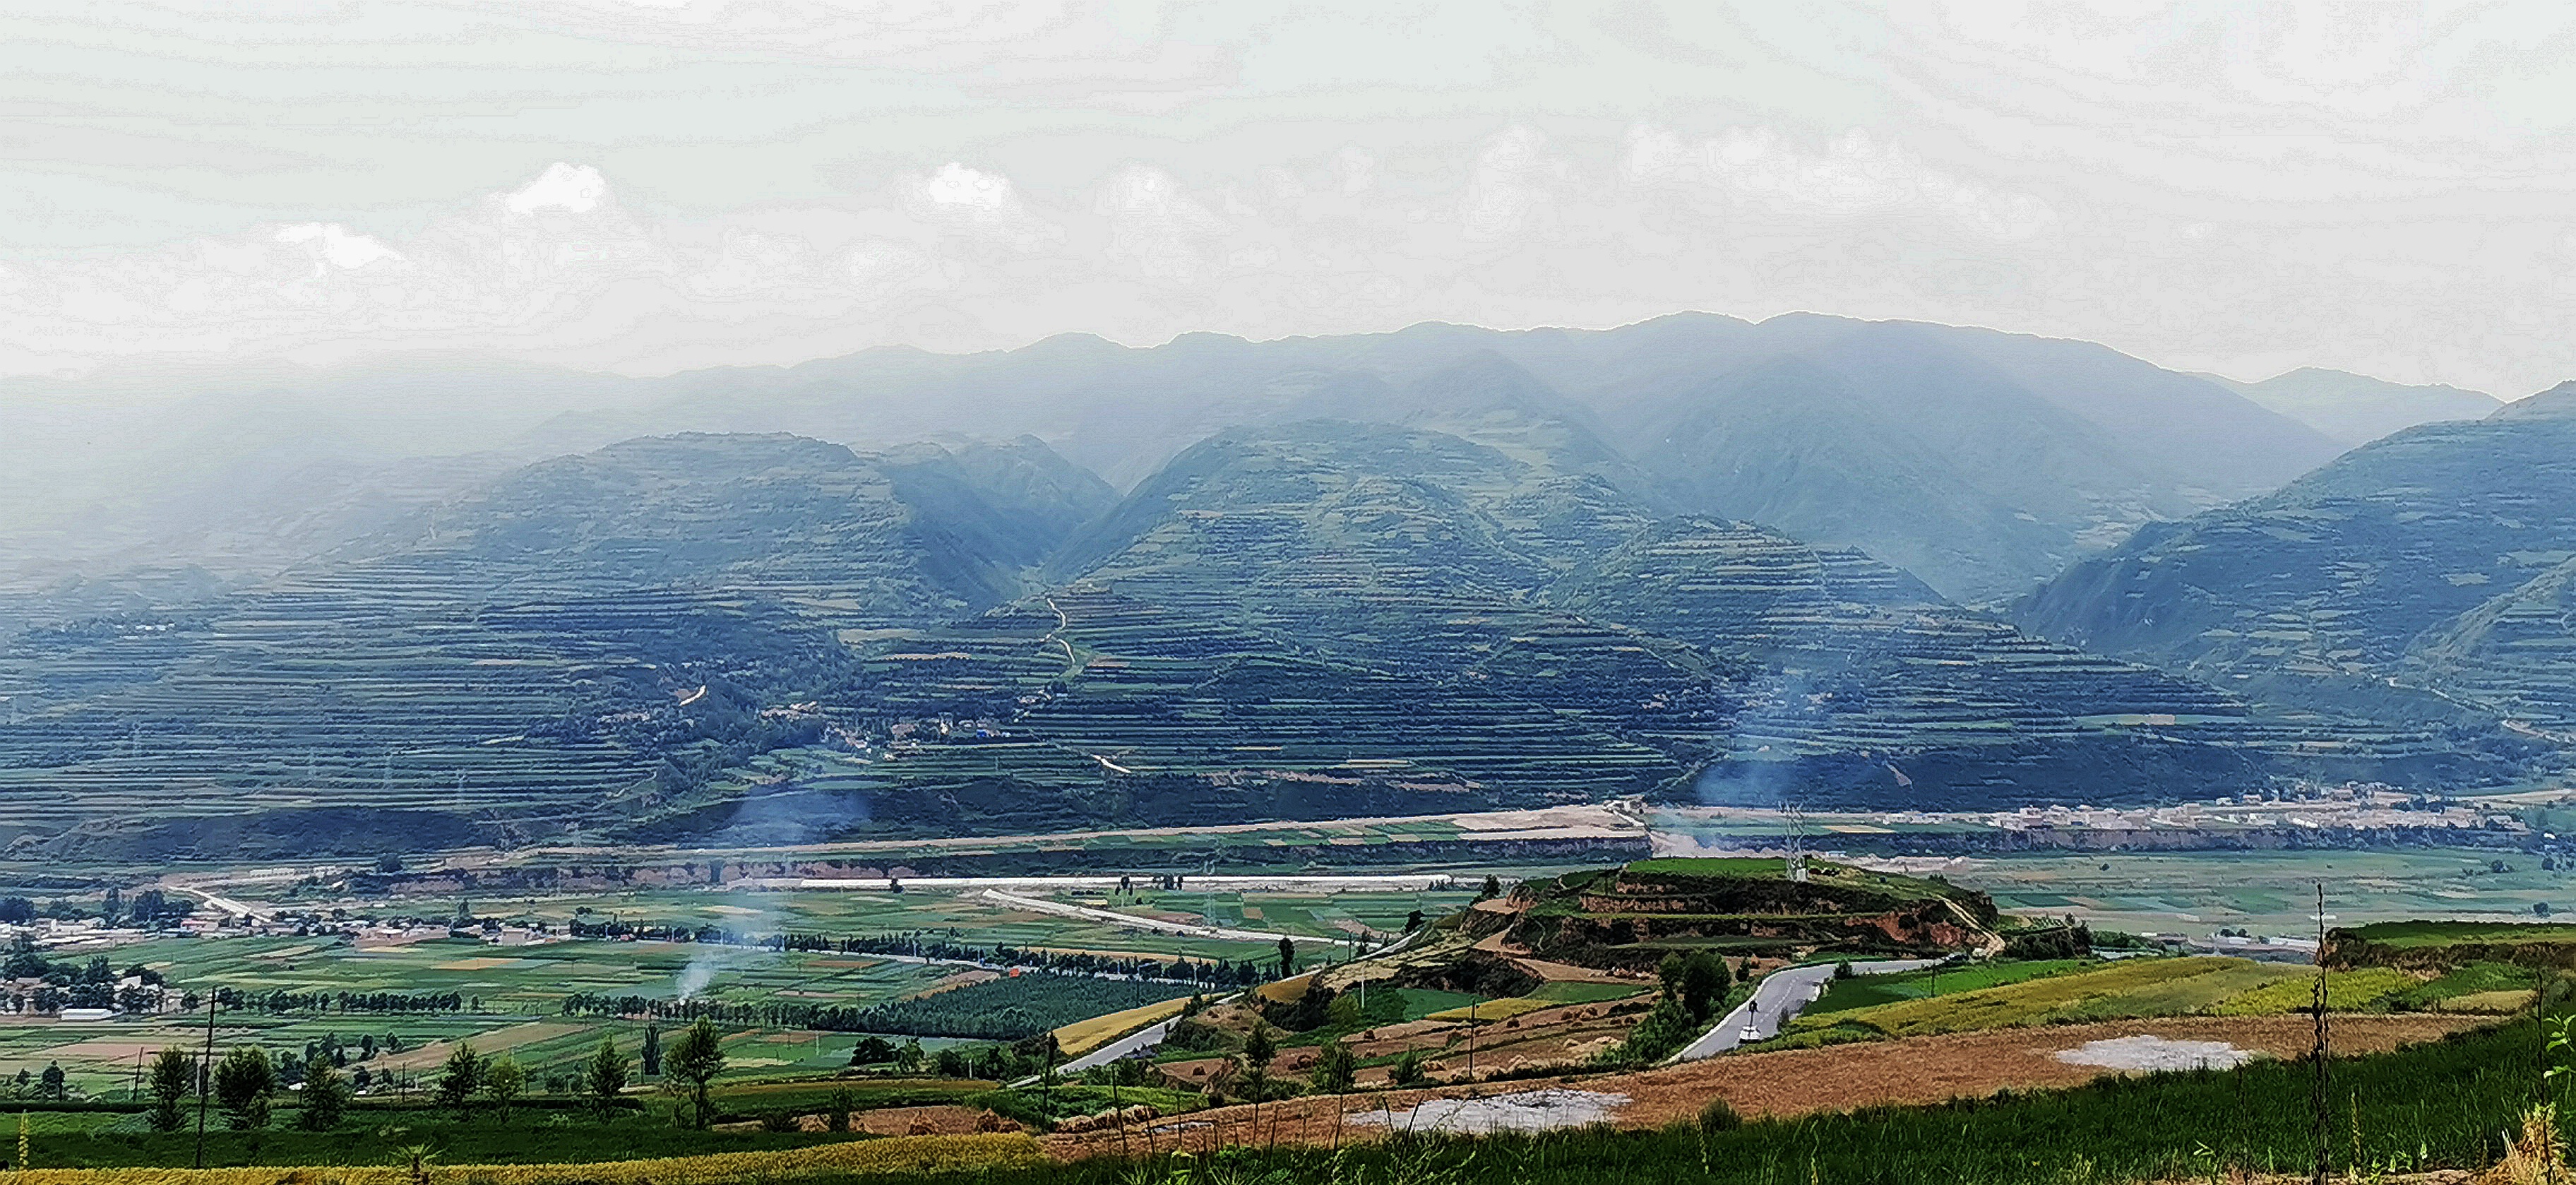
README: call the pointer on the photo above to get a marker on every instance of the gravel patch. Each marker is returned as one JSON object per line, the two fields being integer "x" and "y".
{"x": 2147, "y": 1052}
{"x": 1527, "y": 1111}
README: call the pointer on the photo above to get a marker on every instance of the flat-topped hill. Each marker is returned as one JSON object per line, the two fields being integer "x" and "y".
{"x": 2439, "y": 945}
{"x": 1635, "y": 914}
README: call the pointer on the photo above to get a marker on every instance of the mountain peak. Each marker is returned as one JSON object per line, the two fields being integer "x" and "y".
{"x": 2556, "y": 403}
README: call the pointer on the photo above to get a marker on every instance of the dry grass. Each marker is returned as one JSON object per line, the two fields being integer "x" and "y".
{"x": 1910, "y": 1071}
{"x": 1083, "y": 1036}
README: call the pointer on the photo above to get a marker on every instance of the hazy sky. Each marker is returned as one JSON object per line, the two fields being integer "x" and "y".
{"x": 652, "y": 186}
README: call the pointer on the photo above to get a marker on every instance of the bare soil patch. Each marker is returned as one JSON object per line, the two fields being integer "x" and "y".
{"x": 1914, "y": 1071}
{"x": 1925, "y": 1070}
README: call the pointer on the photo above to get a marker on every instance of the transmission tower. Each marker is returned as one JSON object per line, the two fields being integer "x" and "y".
{"x": 1797, "y": 841}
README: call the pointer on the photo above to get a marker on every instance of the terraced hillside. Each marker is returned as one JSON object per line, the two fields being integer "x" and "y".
{"x": 589, "y": 638}
{"x": 1634, "y": 915}
{"x": 1332, "y": 611}
{"x": 672, "y": 636}
{"x": 2423, "y": 574}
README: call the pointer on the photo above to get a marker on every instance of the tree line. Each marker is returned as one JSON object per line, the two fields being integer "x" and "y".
{"x": 928, "y": 945}
{"x": 1000, "y": 1009}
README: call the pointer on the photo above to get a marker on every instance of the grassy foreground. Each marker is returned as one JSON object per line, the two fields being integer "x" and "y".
{"x": 907, "y": 1156}
{"x": 2444, "y": 1104}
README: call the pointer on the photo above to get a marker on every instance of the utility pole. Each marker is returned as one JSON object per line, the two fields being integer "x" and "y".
{"x": 1471, "y": 1040}
{"x": 2318, "y": 1177}
{"x": 206, "y": 1077}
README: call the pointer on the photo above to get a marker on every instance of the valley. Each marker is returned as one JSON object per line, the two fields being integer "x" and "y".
{"x": 1446, "y": 731}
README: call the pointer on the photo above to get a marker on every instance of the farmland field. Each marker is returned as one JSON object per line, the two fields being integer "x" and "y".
{"x": 2268, "y": 892}
{"x": 2138, "y": 988}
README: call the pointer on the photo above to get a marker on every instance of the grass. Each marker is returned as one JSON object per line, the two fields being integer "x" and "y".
{"x": 839, "y": 1159}
{"x": 1864, "y": 991}
{"x": 1490, "y": 1010}
{"x": 2143, "y": 987}
{"x": 2443, "y": 1104}
{"x": 1587, "y": 993}
{"x": 2477, "y": 987}
{"x": 2346, "y": 991}
{"x": 1421, "y": 1003}
{"x": 2442, "y": 933}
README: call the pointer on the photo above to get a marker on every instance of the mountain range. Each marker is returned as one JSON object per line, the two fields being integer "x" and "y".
{"x": 1695, "y": 558}
{"x": 1981, "y": 462}
{"x": 2352, "y": 409}
{"x": 769, "y": 637}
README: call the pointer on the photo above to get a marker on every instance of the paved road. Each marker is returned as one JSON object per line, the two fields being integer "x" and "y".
{"x": 1144, "y": 1038}
{"x": 1132, "y": 921}
{"x": 1777, "y": 998}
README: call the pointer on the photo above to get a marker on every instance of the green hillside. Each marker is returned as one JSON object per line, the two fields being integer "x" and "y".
{"x": 2423, "y": 575}
{"x": 1406, "y": 614}
{"x": 588, "y": 639}
{"x": 1634, "y": 915}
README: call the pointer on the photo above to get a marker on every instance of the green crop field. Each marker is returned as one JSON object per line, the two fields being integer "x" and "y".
{"x": 2269, "y": 892}
{"x": 2141, "y": 987}
{"x": 2369, "y": 987}
{"x": 2419, "y": 933}
{"x": 1844, "y": 993}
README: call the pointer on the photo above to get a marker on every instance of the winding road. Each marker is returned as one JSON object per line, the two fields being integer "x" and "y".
{"x": 1777, "y": 998}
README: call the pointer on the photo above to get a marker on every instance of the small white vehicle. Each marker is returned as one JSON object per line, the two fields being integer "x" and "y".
{"x": 1750, "y": 1033}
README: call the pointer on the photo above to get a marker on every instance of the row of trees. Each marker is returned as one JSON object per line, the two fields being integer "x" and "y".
{"x": 246, "y": 1082}
{"x": 930, "y": 945}
{"x": 245, "y": 1087}
{"x": 1005, "y": 1009}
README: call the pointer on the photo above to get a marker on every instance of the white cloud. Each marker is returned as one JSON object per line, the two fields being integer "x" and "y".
{"x": 2200, "y": 182}
{"x": 575, "y": 188}
{"x": 333, "y": 244}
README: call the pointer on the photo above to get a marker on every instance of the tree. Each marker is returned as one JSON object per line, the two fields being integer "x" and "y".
{"x": 51, "y": 1082}
{"x": 696, "y": 1057}
{"x": 1669, "y": 973}
{"x": 326, "y": 1096}
{"x": 838, "y": 1107}
{"x": 908, "y": 1057}
{"x": 1259, "y": 1047}
{"x": 244, "y": 1080}
{"x": 652, "y": 1052}
{"x": 461, "y": 1078}
{"x": 1413, "y": 921}
{"x": 174, "y": 1073}
{"x": 1408, "y": 1069}
{"x": 605, "y": 1079}
{"x": 503, "y": 1081}
{"x": 872, "y": 1050}
{"x": 1703, "y": 984}
{"x": 1493, "y": 888}
{"x": 1335, "y": 1068}
{"x": 1287, "y": 957}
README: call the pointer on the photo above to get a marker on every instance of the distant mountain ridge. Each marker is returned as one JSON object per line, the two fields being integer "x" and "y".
{"x": 2356, "y": 409}
{"x": 1982, "y": 462}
